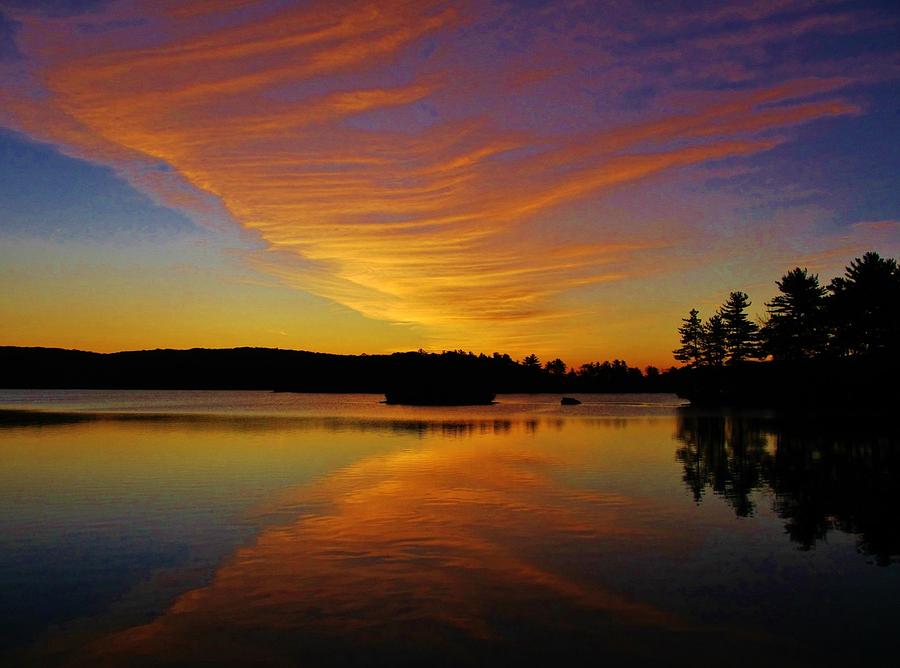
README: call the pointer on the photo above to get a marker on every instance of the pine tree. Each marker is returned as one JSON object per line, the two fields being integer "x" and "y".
{"x": 864, "y": 306}
{"x": 796, "y": 325}
{"x": 532, "y": 362}
{"x": 691, "y": 350}
{"x": 741, "y": 340}
{"x": 715, "y": 341}
{"x": 556, "y": 367}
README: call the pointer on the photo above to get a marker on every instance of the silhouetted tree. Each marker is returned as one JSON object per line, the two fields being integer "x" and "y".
{"x": 653, "y": 379}
{"x": 532, "y": 362}
{"x": 556, "y": 367}
{"x": 615, "y": 376}
{"x": 503, "y": 360}
{"x": 796, "y": 325}
{"x": 741, "y": 340}
{"x": 714, "y": 348}
{"x": 864, "y": 306}
{"x": 691, "y": 350}
{"x": 830, "y": 347}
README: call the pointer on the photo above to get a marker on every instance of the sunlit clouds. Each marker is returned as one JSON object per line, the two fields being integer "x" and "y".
{"x": 422, "y": 163}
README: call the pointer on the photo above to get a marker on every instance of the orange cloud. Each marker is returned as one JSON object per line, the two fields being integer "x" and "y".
{"x": 320, "y": 130}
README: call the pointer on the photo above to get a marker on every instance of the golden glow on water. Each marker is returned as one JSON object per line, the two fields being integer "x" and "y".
{"x": 248, "y": 527}
{"x": 448, "y": 536}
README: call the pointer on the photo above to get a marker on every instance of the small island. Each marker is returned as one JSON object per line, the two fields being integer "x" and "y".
{"x": 431, "y": 396}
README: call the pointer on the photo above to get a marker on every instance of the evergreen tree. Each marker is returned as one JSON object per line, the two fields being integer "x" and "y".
{"x": 532, "y": 362}
{"x": 864, "y": 306}
{"x": 796, "y": 326}
{"x": 691, "y": 350}
{"x": 555, "y": 367}
{"x": 714, "y": 348}
{"x": 741, "y": 340}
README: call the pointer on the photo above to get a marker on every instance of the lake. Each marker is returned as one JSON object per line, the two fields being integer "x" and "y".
{"x": 149, "y": 528}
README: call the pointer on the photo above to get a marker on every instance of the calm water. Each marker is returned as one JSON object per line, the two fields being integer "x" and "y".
{"x": 147, "y": 528}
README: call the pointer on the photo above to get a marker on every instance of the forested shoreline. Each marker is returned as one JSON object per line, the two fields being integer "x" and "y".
{"x": 817, "y": 345}
{"x": 303, "y": 371}
{"x": 834, "y": 344}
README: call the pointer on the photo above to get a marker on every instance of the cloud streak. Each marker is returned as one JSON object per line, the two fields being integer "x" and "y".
{"x": 384, "y": 165}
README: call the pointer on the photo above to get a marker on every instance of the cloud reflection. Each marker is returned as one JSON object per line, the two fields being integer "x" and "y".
{"x": 430, "y": 550}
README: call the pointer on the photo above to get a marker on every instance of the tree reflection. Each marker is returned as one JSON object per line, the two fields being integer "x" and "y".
{"x": 840, "y": 475}
{"x": 723, "y": 454}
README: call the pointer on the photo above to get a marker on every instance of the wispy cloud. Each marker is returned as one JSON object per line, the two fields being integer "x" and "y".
{"x": 382, "y": 160}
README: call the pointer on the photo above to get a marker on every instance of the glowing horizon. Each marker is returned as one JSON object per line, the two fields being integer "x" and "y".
{"x": 550, "y": 178}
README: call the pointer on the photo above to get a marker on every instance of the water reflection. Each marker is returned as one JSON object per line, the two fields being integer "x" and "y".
{"x": 418, "y": 557}
{"x": 842, "y": 475}
{"x": 446, "y": 538}
{"x": 423, "y": 427}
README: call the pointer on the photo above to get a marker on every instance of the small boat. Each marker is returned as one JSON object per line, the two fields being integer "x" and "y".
{"x": 569, "y": 401}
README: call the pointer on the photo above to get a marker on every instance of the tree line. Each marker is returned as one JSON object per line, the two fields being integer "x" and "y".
{"x": 853, "y": 315}
{"x": 507, "y": 374}
{"x": 303, "y": 371}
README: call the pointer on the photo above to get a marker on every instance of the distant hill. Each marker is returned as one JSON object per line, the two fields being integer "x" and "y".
{"x": 304, "y": 371}
{"x": 197, "y": 368}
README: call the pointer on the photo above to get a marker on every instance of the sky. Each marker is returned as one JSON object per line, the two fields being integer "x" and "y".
{"x": 567, "y": 178}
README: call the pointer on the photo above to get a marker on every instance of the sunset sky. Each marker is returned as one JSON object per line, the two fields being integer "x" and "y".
{"x": 567, "y": 178}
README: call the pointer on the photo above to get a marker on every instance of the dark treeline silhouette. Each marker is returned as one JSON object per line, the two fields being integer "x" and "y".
{"x": 837, "y": 344}
{"x": 824, "y": 475}
{"x": 301, "y": 371}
